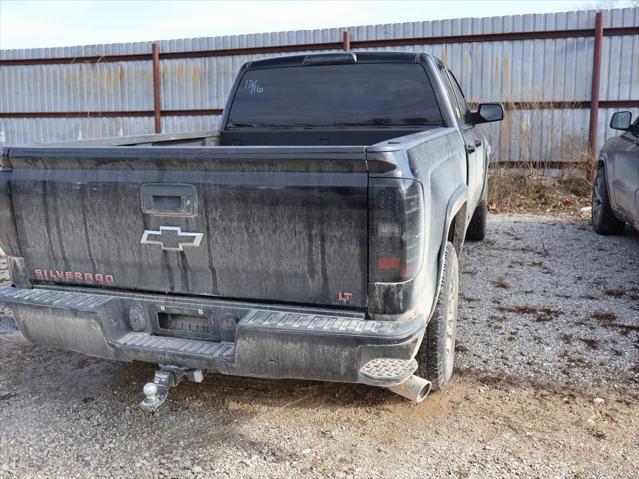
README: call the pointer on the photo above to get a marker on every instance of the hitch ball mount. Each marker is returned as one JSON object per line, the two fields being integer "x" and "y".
{"x": 165, "y": 378}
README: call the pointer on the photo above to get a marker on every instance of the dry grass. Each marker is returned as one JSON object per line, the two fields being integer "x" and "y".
{"x": 539, "y": 138}
{"x": 512, "y": 191}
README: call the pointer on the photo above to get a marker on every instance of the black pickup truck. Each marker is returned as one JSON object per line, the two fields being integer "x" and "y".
{"x": 315, "y": 236}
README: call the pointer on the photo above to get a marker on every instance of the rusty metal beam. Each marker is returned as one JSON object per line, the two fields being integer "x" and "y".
{"x": 110, "y": 114}
{"x": 493, "y": 37}
{"x": 489, "y": 37}
{"x": 594, "y": 99}
{"x": 563, "y": 105}
{"x": 196, "y": 112}
{"x": 618, "y": 103}
{"x": 346, "y": 41}
{"x": 76, "y": 60}
{"x": 157, "y": 109}
{"x": 529, "y": 105}
{"x": 254, "y": 50}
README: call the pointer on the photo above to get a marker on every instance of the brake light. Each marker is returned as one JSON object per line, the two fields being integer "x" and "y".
{"x": 396, "y": 223}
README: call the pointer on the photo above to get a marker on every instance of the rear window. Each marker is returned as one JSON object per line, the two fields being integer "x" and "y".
{"x": 378, "y": 94}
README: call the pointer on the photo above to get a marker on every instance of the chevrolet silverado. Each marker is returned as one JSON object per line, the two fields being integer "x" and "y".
{"x": 315, "y": 236}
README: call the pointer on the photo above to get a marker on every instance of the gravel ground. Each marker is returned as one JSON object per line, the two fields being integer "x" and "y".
{"x": 546, "y": 298}
{"x": 547, "y": 386}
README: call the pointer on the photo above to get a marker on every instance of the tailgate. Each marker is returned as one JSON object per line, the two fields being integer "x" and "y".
{"x": 285, "y": 224}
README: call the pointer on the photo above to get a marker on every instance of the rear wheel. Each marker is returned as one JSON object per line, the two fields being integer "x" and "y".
{"x": 603, "y": 219}
{"x": 436, "y": 354}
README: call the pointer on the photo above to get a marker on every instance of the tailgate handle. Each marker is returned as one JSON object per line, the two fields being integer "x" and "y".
{"x": 166, "y": 199}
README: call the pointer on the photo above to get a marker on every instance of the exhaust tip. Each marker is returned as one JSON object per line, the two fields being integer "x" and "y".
{"x": 425, "y": 391}
{"x": 414, "y": 388}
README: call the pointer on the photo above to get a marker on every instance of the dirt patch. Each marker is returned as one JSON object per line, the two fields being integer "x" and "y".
{"x": 540, "y": 314}
{"x": 591, "y": 343}
{"x": 603, "y": 316}
{"x": 616, "y": 293}
{"x": 501, "y": 283}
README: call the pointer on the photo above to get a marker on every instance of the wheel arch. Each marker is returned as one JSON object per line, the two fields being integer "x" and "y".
{"x": 454, "y": 231}
{"x": 602, "y": 161}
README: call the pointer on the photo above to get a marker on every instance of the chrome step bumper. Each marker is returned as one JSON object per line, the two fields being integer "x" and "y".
{"x": 242, "y": 339}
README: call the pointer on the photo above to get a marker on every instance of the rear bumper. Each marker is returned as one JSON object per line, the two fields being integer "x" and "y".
{"x": 237, "y": 338}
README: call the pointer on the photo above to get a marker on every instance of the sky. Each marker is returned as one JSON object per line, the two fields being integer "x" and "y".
{"x": 50, "y": 23}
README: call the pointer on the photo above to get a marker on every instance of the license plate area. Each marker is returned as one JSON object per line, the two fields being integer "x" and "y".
{"x": 193, "y": 323}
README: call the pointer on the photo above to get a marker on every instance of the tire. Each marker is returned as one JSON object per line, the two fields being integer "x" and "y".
{"x": 436, "y": 355}
{"x": 477, "y": 227}
{"x": 603, "y": 218}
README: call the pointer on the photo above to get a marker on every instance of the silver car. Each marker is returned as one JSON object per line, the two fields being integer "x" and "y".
{"x": 615, "y": 194}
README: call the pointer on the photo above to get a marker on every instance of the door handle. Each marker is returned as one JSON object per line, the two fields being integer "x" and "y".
{"x": 169, "y": 199}
{"x": 470, "y": 149}
{"x": 478, "y": 143}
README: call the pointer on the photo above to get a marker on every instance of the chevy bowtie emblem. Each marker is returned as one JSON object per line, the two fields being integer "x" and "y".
{"x": 171, "y": 238}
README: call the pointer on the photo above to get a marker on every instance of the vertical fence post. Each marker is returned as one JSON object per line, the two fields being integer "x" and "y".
{"x": 594, "y": 98}
{"x": 346, "y": 41}
{"x": 156, "y": 87}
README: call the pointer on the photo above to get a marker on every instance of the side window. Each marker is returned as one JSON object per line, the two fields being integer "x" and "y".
{"x": 451, "y": 92}
{"x": 460, "y": 96}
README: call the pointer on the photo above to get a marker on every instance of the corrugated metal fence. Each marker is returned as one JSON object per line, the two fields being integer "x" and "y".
{"x": 540, "y": 66}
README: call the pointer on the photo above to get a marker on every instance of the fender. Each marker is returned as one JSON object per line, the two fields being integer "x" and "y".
{"x": 458, "y": 199}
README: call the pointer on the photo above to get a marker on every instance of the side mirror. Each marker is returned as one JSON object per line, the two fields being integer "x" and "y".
{"x": 621, "y": 121}
{"x": 487, "y": 112}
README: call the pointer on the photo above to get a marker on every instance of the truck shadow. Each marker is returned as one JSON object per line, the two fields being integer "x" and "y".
{"x": 93, "y": 398}
{"x": 74, "y": 377}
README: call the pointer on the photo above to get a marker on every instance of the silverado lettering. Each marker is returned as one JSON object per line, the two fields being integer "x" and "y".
{"x": 51, "y": 275}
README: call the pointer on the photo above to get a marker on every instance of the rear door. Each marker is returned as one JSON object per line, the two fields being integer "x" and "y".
{"x": 473, "y": 140}
{"x": 276, "y": 224}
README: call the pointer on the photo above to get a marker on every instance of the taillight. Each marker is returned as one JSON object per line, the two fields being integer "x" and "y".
{"x": 395, "y": 225}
